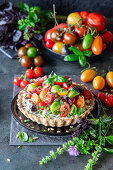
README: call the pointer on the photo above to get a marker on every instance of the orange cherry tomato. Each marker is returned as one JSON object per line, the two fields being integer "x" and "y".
{"x": 74, "y": 19}
{"x": 35, "y": 98}
{"x": 109, "y": 79}
{"x": 88, "y": 75}
{"x": 98, "y": 83}
{"x": 80, "y": 102}
{"x": 97, "y": 45}
{"x": 42, "y": 94}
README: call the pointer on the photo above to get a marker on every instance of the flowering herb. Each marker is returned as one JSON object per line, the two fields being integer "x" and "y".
{"x": 89, "y": 135}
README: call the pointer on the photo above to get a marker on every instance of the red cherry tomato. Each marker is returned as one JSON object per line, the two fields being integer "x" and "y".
{"x": 102, "y": 97}
{"x": 69, "y": 38}
{"x": 64, "y": 109}
{"x": 49, "y": 44}
{"x": 47, "y": 35}
{"x": 65, "y": 86}
{"x": 48, "y": 89}
{"x": 80, "y": 31}
{"x": 104, "y": 46}
{"x": 41, "y": 104}
{"x": 87, "y": 94}
{"x": 38, "y": 71}
{"x": 58, "y": 83}
{"x": 17, "y": 81}
{"x": 73, "y": 100}
{"x": 62, "y": 25}
{"x": 39, "y": 80}
{"x": 109, "y": 101}
{"x": 84, "y": 14}
{"x": 29, "y": 73}
{"x": 24, "y": 83}
{"x": 107, "y": 37}
{"x": 37, "y": 90}
{"x": 96, "y": 20}
{"x": 48, "y": 98}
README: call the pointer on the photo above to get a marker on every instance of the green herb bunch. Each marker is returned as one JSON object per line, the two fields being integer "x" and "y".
{"x": 91, "y": 141}
{"x": 35, "y": 21}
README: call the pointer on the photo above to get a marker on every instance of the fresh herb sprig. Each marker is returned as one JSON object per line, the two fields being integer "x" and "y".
{"x": 93, "y": 138}
{"x": 78, "y": 56}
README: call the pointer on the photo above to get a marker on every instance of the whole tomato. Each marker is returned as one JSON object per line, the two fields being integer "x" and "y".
{"x": 96, "y": 20}
{"x": 102, "y": 97}
{"x": 69, "y": 38}
{"x": 80, "y": 30}
{"x": 84, "y": 14}
{"x": 98, "y": 82}
{"x": 88, "y": 75}
{"x": 74, "y": 19}
{"x": 26, "y": 61}
{"x": 97, "y": 45}
{"x": 60, "y": 26}
{"x": 38, "y": 71}
{"x": 17, "y": 81}
{"x": 79, "y": 46}
{"x": 24, "y": 83}
{"x": 29, "y": 73}
{"x": 104, "y": 46}
{"x": 109, "y": 79}
{"x": 22, "y": 52}
{"x": 49, "y": 44}
{"x": 107, "y": 37}
{"x": 47, "y": 35}
{"x": 57, "y": 47}
{"x": 55, "y": 36}
{"x": 109, "y": 101}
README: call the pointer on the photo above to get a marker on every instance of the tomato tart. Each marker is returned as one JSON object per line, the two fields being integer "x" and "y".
{"x": 55, "y": 101}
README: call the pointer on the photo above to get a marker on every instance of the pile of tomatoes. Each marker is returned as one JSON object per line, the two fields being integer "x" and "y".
{"x": 85, "y": 31}
{"x": 107, "y": 100}
{"x": 30, "y": 73}
{"x": 98, "y": 81}
{"x": 29, "y": 56}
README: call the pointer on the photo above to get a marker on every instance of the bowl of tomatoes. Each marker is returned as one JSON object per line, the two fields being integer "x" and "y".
{"x": 83, "y": 35}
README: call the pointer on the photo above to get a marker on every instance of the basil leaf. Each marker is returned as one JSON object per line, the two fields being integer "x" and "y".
{"x": 23, "y": 136}
{"x": 30, "y": 140}
{"x": 87, "y": 53}
{"x": 71, "y": 57}
{"x": 109, "y": 139}
{"x": 79, "y": 111}
{"x": 23, "y": 7}
{"x": 82, "y": 60}
{"x": 108, "y": 150}
{"x": 61, "y": 79}
{"x": 75, "y": 50}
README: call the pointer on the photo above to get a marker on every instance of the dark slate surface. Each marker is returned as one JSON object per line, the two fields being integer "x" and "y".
{"x": 27, "y": 158}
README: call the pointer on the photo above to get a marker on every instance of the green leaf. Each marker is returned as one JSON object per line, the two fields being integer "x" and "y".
{"x": 30, "y": 140}
{"x": 108, "y": 150}
{"x": 23, "y": 7}
{"x": 79, "y": 111}
{"x": 23, "y": 136}
{"x": 61, "y": 79}
{"x": 87, "y": 53}
{"x": 71, "y": 57}
{"x": 75, "y": 50}
{"x": 82, "y": 60}
{"x": 109, "y": 139}
{"x": 94, "y": 121}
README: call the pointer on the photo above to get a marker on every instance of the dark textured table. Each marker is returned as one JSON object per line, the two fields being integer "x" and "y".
{"x": 28, "y": 157}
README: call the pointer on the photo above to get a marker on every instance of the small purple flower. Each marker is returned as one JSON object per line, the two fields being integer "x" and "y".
{"x": 73, "y": 151}
{"x": 20, "y": 118}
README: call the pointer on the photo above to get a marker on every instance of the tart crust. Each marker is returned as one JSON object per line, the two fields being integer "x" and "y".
{"x": 65, "y": 121}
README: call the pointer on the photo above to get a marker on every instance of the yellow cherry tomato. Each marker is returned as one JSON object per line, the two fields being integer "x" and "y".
{"x": 109, "y": 79}
{"x": 80, "y": 102}
{"x": 88, "y": 75}
{"x": 57, "y": 47}
{"x": 42, "y": 94}
{"x": 74, "y": 19}
{"x": 97, "y": 45}
{"x": 35, "y": 98}
{"x": 63, "y": 92}
{"x": 98, "y": 83}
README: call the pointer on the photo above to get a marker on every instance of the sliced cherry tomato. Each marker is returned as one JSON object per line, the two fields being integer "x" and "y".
{"x": 35, "y": 98}
{"x": 39, "y": 80}
{"x": 29, "y": 73}
{"x": 49, "y": 44}
{"x": 41, "y": 104}
{"x": 80, "y": 102}
{"x": 38, "y": 71}
{"x": 109, "y": 101}
{"x": 80, "y": 30}
{"x": 107, "y": 37}
{"x": 64, "y": 109}
{"x": 62, "y": 92}
{"x": 87, "y": 94}
{"x": 58, "y": 83}
{"x": 17, "y": 81}
{"x": 73, "y": 100}
{"x": 48, "y": 98}
{"x": 28, "y": 95}
{"x": 102, "y": 97}
{"x": 24, "y": 83}
{"x": 42, "y": 94}
{"x": 84, "y": 14}
{"x": 37, "y": 90}
{"x": 48, "y": 89}
{"x": 65, "y": 86}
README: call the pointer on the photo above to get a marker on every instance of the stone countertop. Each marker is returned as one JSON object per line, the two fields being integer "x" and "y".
{"x": 28, "y": 157}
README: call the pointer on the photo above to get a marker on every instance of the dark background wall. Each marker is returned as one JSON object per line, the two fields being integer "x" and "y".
{"x": 66, "y": 6}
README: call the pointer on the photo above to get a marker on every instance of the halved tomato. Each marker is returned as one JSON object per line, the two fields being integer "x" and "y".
{"x": 80, "y": 102}
{"x": 39, "y": 80}
{"x": 87, "y": 94}
{"x": 41, "y": 104}
{"x": 48, "y": 98}
{"x": 64, "y": 109}
{"x": 35, "y": 98}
